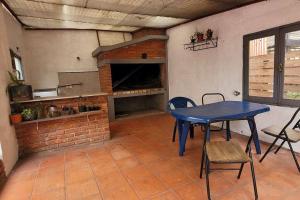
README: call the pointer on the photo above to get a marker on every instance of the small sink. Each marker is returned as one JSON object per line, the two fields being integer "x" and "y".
{"x": 44, "y": 93}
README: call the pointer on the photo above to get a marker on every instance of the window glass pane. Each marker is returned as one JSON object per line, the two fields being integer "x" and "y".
{"x": 261, "y": 67}
{"x": 19, "y": 68}
{"x": 291, "y": 88}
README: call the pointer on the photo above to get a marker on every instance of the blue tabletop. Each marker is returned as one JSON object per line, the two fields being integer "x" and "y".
{"x": 226, "y": 110}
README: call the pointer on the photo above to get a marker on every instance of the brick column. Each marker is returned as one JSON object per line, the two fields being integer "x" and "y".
{"x": 105, "y": 79}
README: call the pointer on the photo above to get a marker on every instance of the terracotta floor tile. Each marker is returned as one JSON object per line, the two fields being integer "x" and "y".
{"x": 53, "y": 161}
{"x": 137, "y": 173}
{"x": 58, "y": 194}
{"x": 49, "y": 182}
{"x": 78, "y": 175}
{"x": 93, "y": 197}
{"x": 81, "y": 190}
{"x": 149, "y": 156}
{"x": 19, "y": 176}
{"x": 147, "y": 186}
{"x": 124, "y": 192}
{"x": 126, "y": 163}
{"x": 17, "y": 190}
{"x": 166, "y": 196}
{"x": 103, "y": 168}
{"x": 193, "y": 191}
{"x": 141, "y": 162}
{"x": 111, "y": 180}
{"x": 174, "y": 177}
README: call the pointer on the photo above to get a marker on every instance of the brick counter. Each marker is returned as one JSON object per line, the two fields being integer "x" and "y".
{"x": 71, "y": 130}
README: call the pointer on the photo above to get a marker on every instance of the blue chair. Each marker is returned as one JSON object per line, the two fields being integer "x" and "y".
{"x": 181, "y": 102}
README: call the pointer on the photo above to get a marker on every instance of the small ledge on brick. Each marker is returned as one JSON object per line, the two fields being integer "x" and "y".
{"x": 60, "y": 98}
{"x": 131, "y": 42}
{"x": 135, "y": 93}
{"x": 132, "y": 61}
{"x": 61, "y": 117}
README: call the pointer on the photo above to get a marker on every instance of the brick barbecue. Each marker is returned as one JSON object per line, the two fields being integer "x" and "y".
{"x": 147, "y": 48}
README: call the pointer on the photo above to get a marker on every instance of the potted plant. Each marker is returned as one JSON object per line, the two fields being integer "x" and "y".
{"x": 199, "y": 36}
{"x": 28, "y": 114}
{"x": 17, "y": 90}
{"x": 15, "y": 116}
{"x": 193, "y": 39}
{"x": 209, "y": 34}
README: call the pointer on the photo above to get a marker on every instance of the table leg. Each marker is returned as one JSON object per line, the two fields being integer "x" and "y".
{"x": 183, "y": 129}
{"x": 254, "y": 134}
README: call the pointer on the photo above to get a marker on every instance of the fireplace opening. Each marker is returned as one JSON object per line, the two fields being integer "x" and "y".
{"x": 139, "y": 105}
{"x": 135, "y": 76}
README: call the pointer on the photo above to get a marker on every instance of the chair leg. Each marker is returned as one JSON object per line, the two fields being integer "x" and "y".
{"x": 279, "y": 147}
{"x": 174, "y": 131}
{"x": 253, "y": 176}
{"x": 248, "y": 147}
{"x": 268, "y": 150}
{"x": 228, "y": 132}
{"x": 294, "y": 156}
{"x": 207, "y": 177}
{"x": 203, "y": 151}
{"x": 191, "y": 131}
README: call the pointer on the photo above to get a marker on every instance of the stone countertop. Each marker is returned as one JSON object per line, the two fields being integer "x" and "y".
{"x": 61, "y": 97}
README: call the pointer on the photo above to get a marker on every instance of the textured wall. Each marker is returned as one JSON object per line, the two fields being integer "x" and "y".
{"x": 220, "y": 69}
{"x": 49, "y": 52}
{"x": 9, "y": 38}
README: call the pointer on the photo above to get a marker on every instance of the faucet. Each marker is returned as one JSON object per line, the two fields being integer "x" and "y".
{"x": 66, "y": 85}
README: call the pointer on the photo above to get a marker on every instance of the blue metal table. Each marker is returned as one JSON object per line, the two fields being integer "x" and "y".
{"x": 216, "y": 112}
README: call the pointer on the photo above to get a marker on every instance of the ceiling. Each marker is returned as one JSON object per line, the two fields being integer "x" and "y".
{"x": 115, "y": 15}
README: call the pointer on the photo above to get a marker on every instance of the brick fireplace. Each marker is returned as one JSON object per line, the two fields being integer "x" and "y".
{"x": 134, "y": 74}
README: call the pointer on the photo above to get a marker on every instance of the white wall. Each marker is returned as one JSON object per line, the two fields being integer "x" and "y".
{"x": 51, "y": 51}
{"x": 10, "y": 37}
{"x": 192, "y": 74}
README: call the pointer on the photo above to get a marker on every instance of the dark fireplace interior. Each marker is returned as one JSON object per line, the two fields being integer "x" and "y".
{"x": 135, "y": 76}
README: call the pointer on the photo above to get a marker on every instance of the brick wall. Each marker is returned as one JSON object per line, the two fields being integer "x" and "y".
{"x": 67, "y": 132}
{"x": 148, "y": 31}
{"x": 153, "y": 48}
{"x": 2, "y": 174}
{"x": 105, "y": 79}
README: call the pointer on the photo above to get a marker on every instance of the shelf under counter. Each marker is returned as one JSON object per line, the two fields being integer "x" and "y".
{"x": 60, "y": 117}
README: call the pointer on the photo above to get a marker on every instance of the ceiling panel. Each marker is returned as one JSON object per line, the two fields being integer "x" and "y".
{"x": 64, "y": 12}
{"x": 117, "y": 14}
{"x": 80, "y": 3}
{"x": 127, "y": 6}
{"x": 50, "y": 23}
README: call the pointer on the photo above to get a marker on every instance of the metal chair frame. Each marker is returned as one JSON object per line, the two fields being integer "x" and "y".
{"x": 181, "y": 102}
{"x": 284, "y": 137}
{"x": 208, "y": 169}
{"x": 228, "y": 134}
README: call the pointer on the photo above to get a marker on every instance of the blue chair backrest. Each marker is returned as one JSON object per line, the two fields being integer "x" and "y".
{"x": 180, "y": 102}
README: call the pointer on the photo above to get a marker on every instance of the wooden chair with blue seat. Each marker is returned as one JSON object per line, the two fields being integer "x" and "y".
{"x": 181, "y": 102}
{"x": 286, "y": 134}
{"x": 228, "y": 152}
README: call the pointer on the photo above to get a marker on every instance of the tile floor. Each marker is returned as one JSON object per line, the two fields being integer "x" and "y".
{"x": 141, "y": 162}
